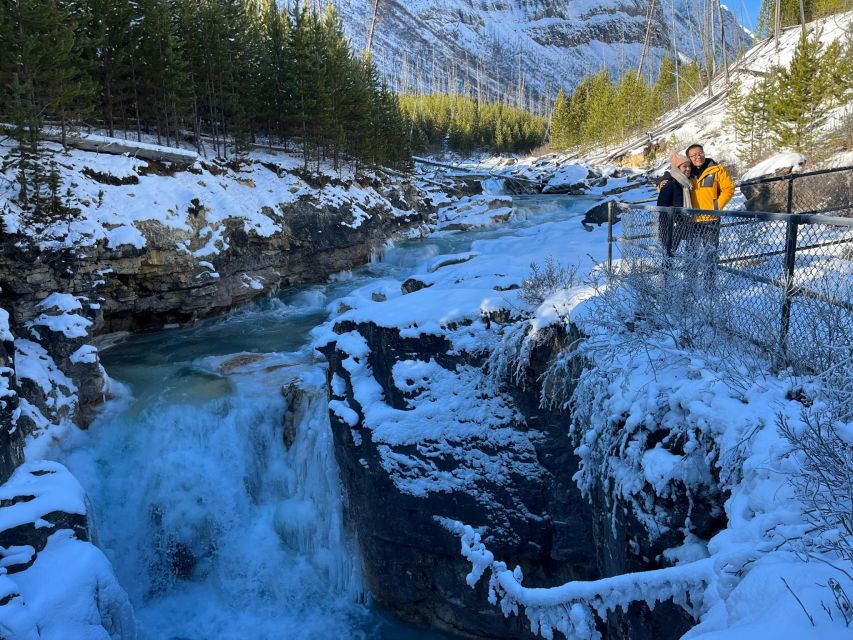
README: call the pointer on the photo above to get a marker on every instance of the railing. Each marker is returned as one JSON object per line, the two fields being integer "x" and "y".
{"x": 824, "y": 191}
{"x": 782, "y": 281}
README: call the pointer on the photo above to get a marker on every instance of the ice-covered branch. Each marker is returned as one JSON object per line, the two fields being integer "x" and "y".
{"x": 572, "y": 608}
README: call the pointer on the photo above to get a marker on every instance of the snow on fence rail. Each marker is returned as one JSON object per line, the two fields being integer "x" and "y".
{"x": 782, "y": 281}
{"x": 571, "y": 608}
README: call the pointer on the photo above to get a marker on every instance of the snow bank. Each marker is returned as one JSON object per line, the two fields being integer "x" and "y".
{"x": 572, "y": 607}
{"x": 771, "y": 165}
{"x": 473, "y": 212}
{"x": 5, "y": 333}
{"x": 567, "y": 176}
{"x": 658, "y": 425}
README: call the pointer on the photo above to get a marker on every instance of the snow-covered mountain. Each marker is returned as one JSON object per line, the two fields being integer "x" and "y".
{"x": 511, "y": 48}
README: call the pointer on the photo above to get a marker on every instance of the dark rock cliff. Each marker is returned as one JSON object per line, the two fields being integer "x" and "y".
{"x": 11, "y": 438}
{"x": 412, "y": 563}
{"x": 540, "y": 521}
{"x": 161, "y": 284}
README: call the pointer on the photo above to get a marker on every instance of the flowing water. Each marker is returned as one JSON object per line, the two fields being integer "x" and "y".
{"x": 216, "y": 528}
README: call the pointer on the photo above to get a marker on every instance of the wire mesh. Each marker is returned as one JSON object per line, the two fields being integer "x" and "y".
{"x": 784, "y": 283}
{"x": 825, "y": 191}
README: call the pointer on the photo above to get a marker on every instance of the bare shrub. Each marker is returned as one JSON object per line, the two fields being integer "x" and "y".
{"x": 824, "y": 484}
{"x": 545, "y": 281}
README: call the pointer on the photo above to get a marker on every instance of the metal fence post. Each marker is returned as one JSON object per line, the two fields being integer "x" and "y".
{"x": 670, "y": 232}
{"x": 790, "y": 208}
{"x": 610, "y": 216}
{"x": 788, "y": 291}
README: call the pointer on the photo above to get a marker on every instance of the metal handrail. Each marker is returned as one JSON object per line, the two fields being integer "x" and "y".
{"x": 793, "y": 176}
{"x": 769, "y": 216}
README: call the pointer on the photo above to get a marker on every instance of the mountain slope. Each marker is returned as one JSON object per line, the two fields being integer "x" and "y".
{"x": 703, "y": 117}
{"x": 529, "y": 48}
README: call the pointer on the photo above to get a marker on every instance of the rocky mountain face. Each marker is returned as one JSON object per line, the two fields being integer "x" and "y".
{"x": 525, "y": 50}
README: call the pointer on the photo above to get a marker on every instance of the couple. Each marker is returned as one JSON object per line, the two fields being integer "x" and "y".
{"x": 695, "y": 182}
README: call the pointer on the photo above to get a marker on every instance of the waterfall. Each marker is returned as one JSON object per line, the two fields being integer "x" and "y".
{"x": 218, "y": 502}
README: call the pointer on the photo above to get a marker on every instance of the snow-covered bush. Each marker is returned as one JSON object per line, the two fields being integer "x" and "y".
{"x": 824, "y": 449}
{"x": 675, "y": 422}
{"x": 543, "y": 281}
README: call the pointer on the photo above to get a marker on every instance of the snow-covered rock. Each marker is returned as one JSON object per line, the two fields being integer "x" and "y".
{"x": 775, "y": 165}
{"x": 475, "y": 212}
{"x": 57, "y": 585}
{"x": 422, "y": 430}
{"x": 569, "y": 178}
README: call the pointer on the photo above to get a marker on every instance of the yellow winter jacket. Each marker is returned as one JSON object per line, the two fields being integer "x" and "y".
{"x": 712, "y": 189}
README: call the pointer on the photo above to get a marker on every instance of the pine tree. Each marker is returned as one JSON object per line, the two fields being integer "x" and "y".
{"x": 690, "y": 79}
{"x": 46, "y": 65}
{"x": 752, "y": 119}
{"x": 600, "y": 124}
{"x": 790, "y": 12}
{"x": 276, "y": 77}
{"x": 578, "y": 111}
{"x": 796, "y": 111}
{"x": 112, "y": 49}
{"x": 632, "y": 105}
{"x": 561, "y": 135}
{"x": 161, "y": 71}
{"x": 665, "y": 87}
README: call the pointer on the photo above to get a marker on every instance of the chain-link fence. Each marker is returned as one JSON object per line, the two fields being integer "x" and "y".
{"x": 825, "y": 191}
{"x": 781, "y": 281}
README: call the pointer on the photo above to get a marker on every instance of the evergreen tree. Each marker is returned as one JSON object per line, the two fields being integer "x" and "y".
{"x": 161, "y": 72}
{"x": 796, "y": 110}
{"x": 665, "y": 88}
{"x": 112, "y": 52}
{"x": 690, "y": 79}
{"x": 601, "y": 120}
{"x": 561, "y": 134}
{"x": 632, "y": 106}
{"x": 790, "y": 12}
{"x": 43, "y": 70}
{"x": 276, "y": 79}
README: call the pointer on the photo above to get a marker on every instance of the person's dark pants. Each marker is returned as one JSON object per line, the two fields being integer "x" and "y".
{"x": 702, "y": 240}
{"x": 671, "y": 237}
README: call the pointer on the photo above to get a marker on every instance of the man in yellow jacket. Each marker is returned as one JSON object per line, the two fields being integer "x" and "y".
{"x": 712, "y": 189}
{"x": 712, "y": 185}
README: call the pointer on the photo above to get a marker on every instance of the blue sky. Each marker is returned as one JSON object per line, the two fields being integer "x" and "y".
{"x": 746, "y": 11}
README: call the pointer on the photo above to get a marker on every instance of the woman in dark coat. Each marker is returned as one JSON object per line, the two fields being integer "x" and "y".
{"x": 675, "y": 192}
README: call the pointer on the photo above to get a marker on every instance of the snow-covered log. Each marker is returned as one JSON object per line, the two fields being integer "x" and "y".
{"x": 118, "y": 146}
{"x": 571, "y": 608}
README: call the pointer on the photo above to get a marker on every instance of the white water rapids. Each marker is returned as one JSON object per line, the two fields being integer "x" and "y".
{"x": 218, "y": 530}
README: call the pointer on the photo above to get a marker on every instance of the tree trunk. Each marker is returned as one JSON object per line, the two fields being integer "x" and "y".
{"x": 372, "y": 25}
